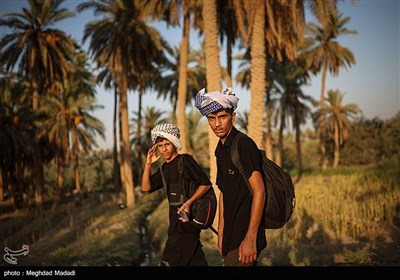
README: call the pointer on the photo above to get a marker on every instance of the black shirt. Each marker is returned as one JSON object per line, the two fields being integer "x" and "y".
{"x": 194, "y": 176}
{"x": 236, "y": 195}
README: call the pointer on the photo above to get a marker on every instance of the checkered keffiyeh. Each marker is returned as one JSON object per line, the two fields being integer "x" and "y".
{"x": 168, "y": 131}
{"x": 213, "y": 101}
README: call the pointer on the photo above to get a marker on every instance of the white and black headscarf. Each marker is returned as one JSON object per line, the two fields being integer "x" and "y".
{"x": 168, "y": 131}
{"x": 213, "y": 101}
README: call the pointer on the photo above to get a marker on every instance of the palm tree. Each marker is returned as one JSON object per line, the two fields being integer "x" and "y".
{"x": 106, "y": 76}
{"x": 197, "y": 129}
{"x": 289, "y": 77}
{"x": 242, "y": 120}
{"x": 227, "y": 11}
{"x": 41, "y": 55}
{"x": 183, "y": 64}
{"x": 277, "y": 25}
{"x": 80, "y": 88}
{"x": 274, "y": 26}
{"x": 128, "y": 47}
{"x": 243, "y": 77}
{"x": 166, "y": 84}
{"x": 258, "y": 69}
{"x": 16, "y": 132}
{"x": 169, "y": 10}
{"x": 58, "y": 124}
{"x": 213, "y": 75}
{"x": 336, "y": 118}
{"x": 326, "y": 54}
{"x": 213, "y": 66}
{"x": 40, "y": 51}
{"x": 84, "y": 128}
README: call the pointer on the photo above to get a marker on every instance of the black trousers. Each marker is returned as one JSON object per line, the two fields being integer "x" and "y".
{"x": 184, "y": 249}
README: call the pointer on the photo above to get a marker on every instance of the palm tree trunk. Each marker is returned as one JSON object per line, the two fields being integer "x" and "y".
{"x": 38, "y": 180}
{"x": 298, "y": 144}
{"x": 123, "y": 183}
{"x": 126, "y": 164}
{"x": 77, "y": 176}
{"x": 76, "y": 162}
{"x": 2, "y": 185}
{"x": 213, "y": 76}
{"x": 337, "y": 147}
{"x": 60, "y": 181}
{"x": 12, "y": 187}
{"x": 182, "y": 83}
{"x": 37, "y": 169}
{"x": 35, "y": 97}
{"x": 323, "y": 162}
{"x": 279, "y": 154}
{"x": 139, "y": 133}
{"x": 258, "y": 71}
{"x": 116, "y": 174}
{"x": 268, "y": 136}
{"x": 228, "y": 77}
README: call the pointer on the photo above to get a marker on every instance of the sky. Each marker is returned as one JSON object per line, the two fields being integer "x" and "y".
{"x": 373, "y": 83}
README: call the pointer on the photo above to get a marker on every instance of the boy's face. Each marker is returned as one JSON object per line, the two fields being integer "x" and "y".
{"x": 166, "y": 149}
{"x": 221, "y": 123}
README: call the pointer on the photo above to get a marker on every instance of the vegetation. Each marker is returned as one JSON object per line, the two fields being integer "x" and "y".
{"x": 56, "y": 185}
{"x": 362, "y": 229}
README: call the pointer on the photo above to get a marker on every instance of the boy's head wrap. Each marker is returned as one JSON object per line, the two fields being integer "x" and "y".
{"x": 168, "y": 131}
{"x": 211, "y": 102}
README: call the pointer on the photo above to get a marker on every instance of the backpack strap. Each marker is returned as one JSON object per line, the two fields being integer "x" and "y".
{"x": 235, "y": 156}
{"x": 164, "y": 182}
{"x": 181, "y": 178}
{"x": 163, "y": 178}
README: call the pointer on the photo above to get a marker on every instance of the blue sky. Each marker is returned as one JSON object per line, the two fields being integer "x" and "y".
{"x": 373, "y": 83}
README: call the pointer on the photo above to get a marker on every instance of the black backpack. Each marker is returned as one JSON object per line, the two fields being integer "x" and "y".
{"x": 280, "y": 197}
{"x": 203, "y": 210}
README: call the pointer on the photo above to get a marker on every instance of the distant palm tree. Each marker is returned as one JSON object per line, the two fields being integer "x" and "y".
{"x": 16, "y": 132}
{"x": 326, "y": 53}
{"x": 169, "y": 11}
{"x": 196, "y": 138}
{"x": 289, "y": 77}
{"x": 106, "y": 76}
{"x": 228, "y": 10}
{"x": 166, "y": 84}
{"x": 336, "y": 118}
{"x": 242, "y": 120}
{"x": 58, "y": 124}
{"x": 40, "y": 52}
{"x": 123, "y": 42}
{"x": 80, "y": 88}
{"x": 84, "y": 128}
